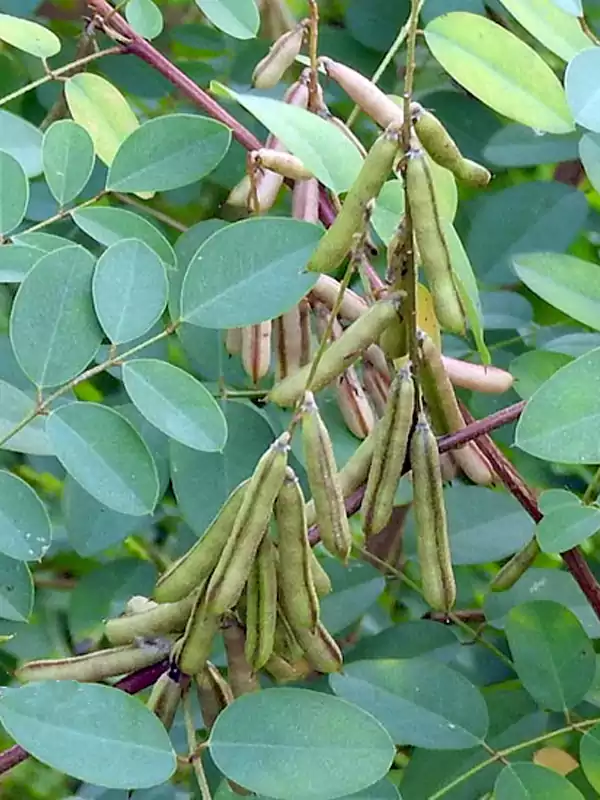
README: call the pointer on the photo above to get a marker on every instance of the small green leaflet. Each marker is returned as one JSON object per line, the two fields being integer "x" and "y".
{"x": 237, "y": 18}
{"x": 145, "y": 18}
{"x": 566, "y": 527}
{"x": 28, "y": 36}
{"x": 25, "y": 531}
{"x": 22, "y": 140}
{"x": 557, "y": 30}
{"x": 14, "y": 193}
{"x": 68, "y": 158}
{"x": 523, "y": 780}
{"x": 582, "y": 90}
{"x": 16, "y": 590}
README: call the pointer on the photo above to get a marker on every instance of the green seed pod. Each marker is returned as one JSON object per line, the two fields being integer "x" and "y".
{"x": 515, "y": 567}
{"x": 269, "y": 71}
{"x": 297, "y": 591}
{"x": 193, "y": 649}
{"x": 326, "y": 290}
{"x": 321, "y": 579}
{"x": 322, "y": 476}
{"x": 443, "y": 149}
{"x": 439, "y": 588}
{"x": 320, "y": 649}
{"x": 261, "y": 606}
{"x": 339, "y": 355}
{"x": 165, "y": 618}
{"x": 339, "y": 238}
{"x": 389, "y": 454}
{"x": 214, "y": 694}
{"x": 286, "y": 644}
{"x": 96, "y": 666}
{"x": 231, "y": 573}
{"x": 432, "y": 244}
{"x": 437, "y": 388}
{"x": 240, "y": 675}
{"x": 165, "y": 698}
{"x": 189, "y": 571}
{"x": 284, "y": 671}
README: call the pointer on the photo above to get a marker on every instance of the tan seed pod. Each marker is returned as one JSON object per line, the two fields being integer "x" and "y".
{"x": 233, "y": 341}
{"x": 476, "y": 377}
{"x": 377, "y": 105}
{"x": 267, "y": 185}
{"x": 354, "y": 404}
{"x": 305, "y": 200}
{"x": 276, "y": 18}
{"x": 474, "y": 464}
{"x": 231, "y": 573}
{"x": 269, "y": 71}
{"x": 256, "y": 350}
{"x": 193, "y": 649}
{"x": 289, "y": 341}
{"x": 264, "y": 575}
{"x": 297, "y": 592}
{"x": 214, "y": 694}
{"x": 389, "y": 454}
{"x": 322, "y": 476}
{"x": 194, "y": 567}
{"x": 433, "y": 545}
{"x": 165, "y": 697}
{"x": 515, "y": 567}
{"x": 377, "y": 389}
{"x": 286, "y": 643}
{"x": 240, "y": 675}
{"x": 284, "y": 164}
{"x": 321, "y": 579}
{"x": 306, "y": 335}
{"x": 375, "y": 356}
{"x": 284, "y": 671}
{"x": 239, "y": 195}
{"x": 339, "y": 355}
{"x": 163, "y": 619}
{"x": 321, "y": 650}
{"x": 326, "y": 291}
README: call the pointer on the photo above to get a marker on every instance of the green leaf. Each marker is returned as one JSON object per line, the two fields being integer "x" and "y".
{"x": 16, "y": 590}
{"x": 62, "y": 722}
{"x": 168, "y": 152}
{"x": 25, "y": 530}
{"x": 553, "y": 499}
{"x": 22, "y": 140}
{"x": 68, "y": 158}
{"x": 589, "y": 153}
{"x": 466, "y": 285}
{"x": 560, "y": 421}
{"x": 307, "y": 745}
{"x": 18, "y": 258}
{"x": 15, "y": 405}
{"x": 53, "y": 328}
{"x": 566, "y": 282}
{"x": 101, "y": 109}
{"x": 552, "y": 654}
{"x": 420, "y": 701}
{"x": 505, "y": 311}
{"x": 572, "y": 7}
{"x": 28, "y": 36}
{"x": 103, "y": 452}
{"x": 519, "y": 146}
{"x": 225, "y": 284}
{"x": 14, "y": 193}
{"x": 355, "y": 590}
{"x": 156, "y": 441}
{"x": 407, "y": 640}
{"x": 321, "y": 146}
{"x": 532, "y": 369}
{"x": 525, "y": 781}
{"x": 145, "y": 18}
{"x": 129, "y": 289}
{"x": 560, "y": 32}
{"x": 566, "y": 527}
{"x": 185, "y": 248}
{"x": 582, "y": 90}
{"x": 176, "y": 403}
{"x": 110, "y": 225}
{"x": 500, "y": 70}
{"x": 237, "y": 18}
{"x": 589, "y": 751}
{"x": 202, "y": 481}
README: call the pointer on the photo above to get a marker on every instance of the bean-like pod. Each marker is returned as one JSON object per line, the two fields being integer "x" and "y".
{"x": 261, "y": 615}
{"x": 377, "y": 105}
{"x": 284, "y": 671}
{"x": 193, "y": 649}
{"x": 354, "y": 404}
{"x": 339, "y": 238}
{"x": 437, "y": 388}
{"x": 96, "y": 666}
{"x": 433, "y": 546}
{"x": 161, "y": 620}
{"x": 269, "y": 70}
{"x": 195, "y": 566}
{"x": 286, "y": 644}
{"x": 165, "y": 697}
{"x": 391, "y": 444}
{"x": 320, "y": 649}
{"x": 326, "y": 291}
{"x": 233, "y": 568}
{"x": 284, "y": 164}
{"x": 256, "y": 350}
{"x": 377, "y": 389}
{"x": 240, "y": 674}
{"x": 477, "y": 377}
{"x": 339, "y": 355}
{"x": 443, "y": 149}
{"x": 233, "y": 341}
{"x": 238, "y": 196}
{"x": 214, "y": 694}
{"x": 322, "y": 474}
{"x": 289, "y": 342}
{"x": 305, "y": 200}
{"x": 321, "y": 579}
{"x": 297, "y": 592}
{"x": 431, "y": 240}
{"x": 474, "y": 464}
{"x": 515, "y": 567}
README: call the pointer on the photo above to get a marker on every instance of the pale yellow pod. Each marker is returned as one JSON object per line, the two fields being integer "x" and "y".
{"x": 284, "y": 671}
{"x": 163, "y": 619}
{"x": 305, "y": 200}
{"x": 268, "y": 185}
{"x": 256, "y": 350}
{"x": 377, "y": 389}
{"x": 477, "y": 377}
{"x": 377, "y": 105}
{"x": 284, "y": 164}
{"x": 269, "y": 71}
{"x": 239, "y": 195}
{"x": 321, "y": 650}
{"x": 326, "y": 291}
{"x": 474, "y": 464}
{"x": 354, "y": 404}
{"x": 233, "y": 341}
{"x": 289, "y": 338}
{"x": 165, "y": 698}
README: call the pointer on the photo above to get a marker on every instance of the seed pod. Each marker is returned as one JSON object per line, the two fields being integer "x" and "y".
{"x": 297, "y": 591}
{"x": 354, "y": 404}
{"x": 289, "y": 342}
{"x": 284, "y": 164}
{"x": 163, "y": 619}
{"x": 375, "y": 356}
{"x": 193, "y": 649}
{"x": 443, "y": 149}
{"x": 321, "y": 579}
{"x": 391, "y": 444}
{"x": 433, "y": 247}
{"x": 138, "y": 604}
{"x": 438, "y": 391}
{"x": 306, "y": 338}
{"x": 165, "y": 697}
{"x": 352, "y": 475}
{"x": 339, "y": 355}
{"x": 305, "y": 200}
{"x": 286, "y": 643}
{"x": 365, "y": 94}
{"x": 267, "y": 187}
{"x": 238, "y": 196}
{"x": 439, "y": 588}
{"x": 474, "y": 464}
{"x": 195, "y": 566}
{"x": 240, "y": 675}
{"x": 326, "y": 291}
{"x": 264, "y": 575}
{"x": 269, "y": 71}
{"x": 214, "y": 694}
{"x": 256, "y": 350}
{"x": 398, "y": 250}
{"x": 339, "y": 238}
{"x": 377, "y": 389}
{"x": 394, "y": 339}
{"x": 284, "y": 671}
{"x": 515, "y": 567}
{"x": 233, "y": 341}
{"x": 321, "y": 650}
{"x": 96, "y": 666}
{"x": 231, "y": 573}
{"x": 322, "y": 476}
{"x": 476, "y": 377}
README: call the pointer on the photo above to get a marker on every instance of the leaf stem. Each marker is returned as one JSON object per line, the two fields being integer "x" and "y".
{"x": 64, "y": 212}
{"x": 154, "y": 212}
